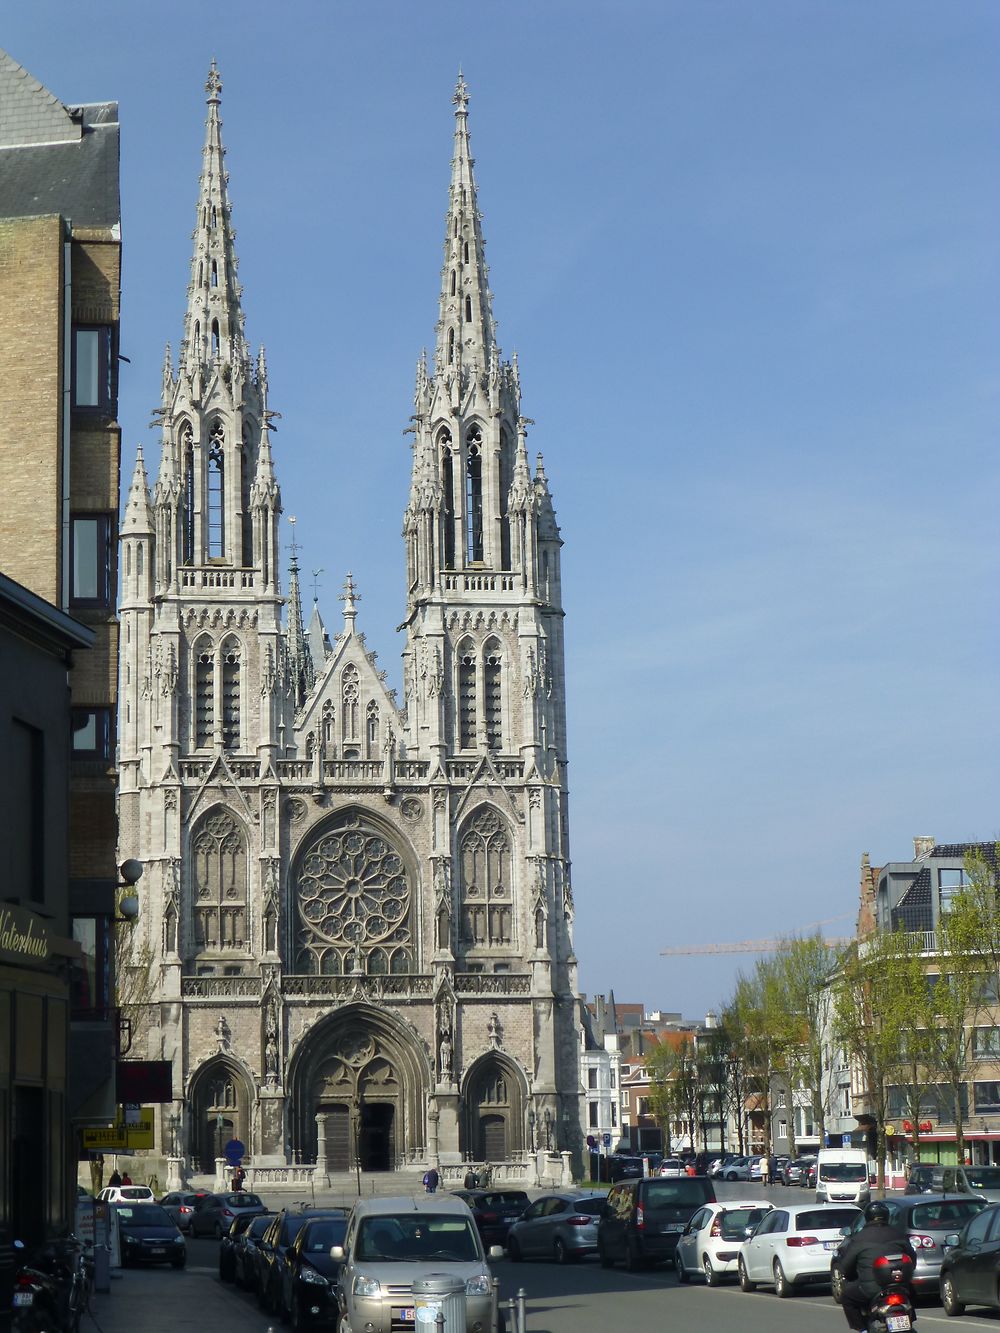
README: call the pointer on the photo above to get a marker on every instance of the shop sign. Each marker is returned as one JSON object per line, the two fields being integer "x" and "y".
{"x": 24, "y": 938}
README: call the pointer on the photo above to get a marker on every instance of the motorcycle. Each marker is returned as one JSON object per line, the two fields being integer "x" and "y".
{"x": 891, "y": 1310}
{"x": 50, "y": 1288}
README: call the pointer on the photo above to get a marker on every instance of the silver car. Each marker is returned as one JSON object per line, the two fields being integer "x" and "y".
{"x": 391, "y": 1242}
{"x": 557, "y": 1226}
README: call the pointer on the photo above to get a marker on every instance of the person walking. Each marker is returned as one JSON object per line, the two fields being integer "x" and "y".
{"x": 765, "y": 1170}
{"x": 431, "y": 1179}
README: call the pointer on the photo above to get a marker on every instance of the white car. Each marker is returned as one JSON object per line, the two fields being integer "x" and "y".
{"x": 710, "y": 1243}
{"x": 126, "y": 1194}
{"x": 672, "y": 1166}
{"x": 793, "y": 1246}
{"x": 737, "y": 1170}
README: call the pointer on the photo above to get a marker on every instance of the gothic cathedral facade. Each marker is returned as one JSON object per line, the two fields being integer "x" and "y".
{"x": 357, "y": 916}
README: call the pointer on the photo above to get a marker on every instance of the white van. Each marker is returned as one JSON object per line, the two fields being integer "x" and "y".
{"x": 842, "y": 1176}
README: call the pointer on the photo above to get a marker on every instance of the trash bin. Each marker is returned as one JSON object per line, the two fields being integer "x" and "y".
{"x": 439, "y": 1292}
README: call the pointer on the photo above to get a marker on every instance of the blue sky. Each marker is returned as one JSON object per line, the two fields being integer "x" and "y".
{"x": 749, "y": 257}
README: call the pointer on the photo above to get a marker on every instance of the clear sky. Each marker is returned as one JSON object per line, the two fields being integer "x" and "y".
{"x": 749, "y": 257}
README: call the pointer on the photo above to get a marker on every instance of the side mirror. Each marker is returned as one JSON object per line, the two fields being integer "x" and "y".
{"x": 845, "y": 1232}
{"x": 950, "y": 1241}
{"x": 337, "y": 1252}
{"x": 496, "y": 1252}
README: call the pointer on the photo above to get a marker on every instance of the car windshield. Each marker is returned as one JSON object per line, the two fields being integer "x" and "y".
{"x": 242, "y": 1200}
{"x": 321, "y": 1235}
{"x": 948, "y": 1215}
{"x": 415, "y": 1237}
{"x": 144, "y": 1215}
{"x": 669, "y": 1193}
{"x": 825, "y": 1219}
{"x": 844, "y": 1171}
{"x": 734, "y": 1222}
{"x": 983, "y": 1177}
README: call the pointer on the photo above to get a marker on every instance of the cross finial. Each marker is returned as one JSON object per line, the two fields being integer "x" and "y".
{"x": 461, "y": 98}
{"x": 316, "y": 574}
{"x": 293, "y": 545}
{"x": 213, "y": 84}
{"x": 350, "y": 597}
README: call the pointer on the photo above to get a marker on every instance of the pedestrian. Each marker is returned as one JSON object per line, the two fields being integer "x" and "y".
{"x": 471, "y": 1179}
{"x": 114, "y": 1178}
{"x": 772, "y": 1167}
{"x": 239, "y": 1175}
{"x": 765, "y": 1170}
{"x": 431, "y": 1179}
{"x": 126, "y": 1179}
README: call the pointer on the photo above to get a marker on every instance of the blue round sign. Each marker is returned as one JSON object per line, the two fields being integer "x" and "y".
{"x": 234, "y": 1151}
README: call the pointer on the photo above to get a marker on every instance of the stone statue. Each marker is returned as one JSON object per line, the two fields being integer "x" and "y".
{"x": 495, "y": 1032}
{"x": 223, "y": 1033}
{"x": 444, "y": 1054}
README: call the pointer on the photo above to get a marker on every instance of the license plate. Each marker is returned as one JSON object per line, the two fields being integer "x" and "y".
{"x": 674, "y": 1226}
{"x": 898, "y": 1323}
{"x": 24, "y": 1298}
{"x": 158, "y": 1250}
{"x": 408, "y": 1315}
{"x": 831, "y": 1245}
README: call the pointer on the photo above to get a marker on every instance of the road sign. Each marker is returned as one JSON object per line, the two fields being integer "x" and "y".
{"x": 234, "y": 1151}
{"x": 606, "y": 1140}
{"x": 129, "y": 1131}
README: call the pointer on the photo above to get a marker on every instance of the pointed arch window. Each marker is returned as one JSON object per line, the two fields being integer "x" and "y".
{"x": 215, "y": 217}
{"x": 245, "y": 484}
{"x": 187, "y": 517}
{"x": 215, "y": 337}
{"x": 371, "y": 729}
{"x": 504, "y": 481}
{"x": 231, "y": 694}
{"x": 448, "y": 489}
{"x": 201, "y": 273}
{"x": 468, "y": 309}
{"x": 215, "y": 274}
{"x": 467, "y": 698}
{"x": 204, "y": 700}
{"x": 453, "y": 282}
{"x": 451, "y": 347}
{"x": 474, "y": 495}
{"x": 327, "y": 727}
{"x": 216, "y": 493}
{"x": 220, "y": 884}
{"x": 466, "y": 251}
{"x": 351, "y": 693}
{"x": 485, "y": 868}
{"x": 492, "y": 694}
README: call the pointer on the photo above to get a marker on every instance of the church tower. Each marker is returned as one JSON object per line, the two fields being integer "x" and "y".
{"x": 357, "y": 924}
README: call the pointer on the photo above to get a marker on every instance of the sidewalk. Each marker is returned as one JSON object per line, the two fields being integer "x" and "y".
{"x": 165, "y": 1300}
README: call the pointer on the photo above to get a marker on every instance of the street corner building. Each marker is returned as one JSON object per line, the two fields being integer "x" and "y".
{"x": 358, "y": 912}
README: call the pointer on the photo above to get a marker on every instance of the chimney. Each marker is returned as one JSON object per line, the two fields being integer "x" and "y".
{"x": 922, "y": 848}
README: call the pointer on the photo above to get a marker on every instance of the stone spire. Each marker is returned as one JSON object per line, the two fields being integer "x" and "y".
{"x": 350, "y": 597}
{"x": 299, "y": 658}
{"x": 466, "y": 331}
{"x": 213, "y": 324}
{"x": 138, "y": 516}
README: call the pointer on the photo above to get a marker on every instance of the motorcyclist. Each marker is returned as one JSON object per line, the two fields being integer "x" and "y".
{"x": 874, "y": 1239}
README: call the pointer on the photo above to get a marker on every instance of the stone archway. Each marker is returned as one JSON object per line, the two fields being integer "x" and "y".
{"x": 219, "y": 1099}
{"x": 359, "y": 1084}
{"x": 493, "y": 1104}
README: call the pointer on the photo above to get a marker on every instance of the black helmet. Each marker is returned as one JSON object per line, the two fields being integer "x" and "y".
{"x": 877, "y": 1212}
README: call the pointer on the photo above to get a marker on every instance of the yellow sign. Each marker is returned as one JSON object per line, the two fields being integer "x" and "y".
{"x": 122, "y": 1136}
{"x": 890, "y": 1131}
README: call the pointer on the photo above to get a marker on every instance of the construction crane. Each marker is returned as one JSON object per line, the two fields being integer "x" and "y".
{"x": 759, "y": 946}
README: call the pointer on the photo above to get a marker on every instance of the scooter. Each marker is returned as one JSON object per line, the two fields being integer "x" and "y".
{"x": 891, "y": 1311}
{"x": 49, "y": 1288}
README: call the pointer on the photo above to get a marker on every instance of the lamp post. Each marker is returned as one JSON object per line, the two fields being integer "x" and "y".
{"x": 174, "y": 1126}
{"x": 547, "y": 1118}
{"x": 130, "y": 872}
{"x": 532, "y": 1119}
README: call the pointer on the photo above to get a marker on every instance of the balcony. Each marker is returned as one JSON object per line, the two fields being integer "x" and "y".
{"x": 474, "y": 581}
{"x": 220, "y": 988}
{"x": 311, "y": 987}
{"x": 210, "y": 578}
{"x": 492, "y": 983}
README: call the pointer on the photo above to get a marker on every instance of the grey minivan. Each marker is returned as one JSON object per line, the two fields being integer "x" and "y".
{"x": 393, "y": 1241}
{"x": 643, "y": 1219}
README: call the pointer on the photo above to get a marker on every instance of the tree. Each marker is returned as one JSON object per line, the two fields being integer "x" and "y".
{"x": 675, "y": 1086}
{"x": 873, "y": 1002}
{"x": 801, "y": 972}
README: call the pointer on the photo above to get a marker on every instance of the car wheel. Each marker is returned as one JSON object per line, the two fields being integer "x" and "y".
{"x": 605, "y": 1258}
{"x": 344, "y": 1326}
{"x": 745, "y": 1283}
{"x": 513, "y": 1250}
{"x": 712, "y": 1278}
{"x": 949, "y": 1297}
{"x": 837, "y": 1285}
{"x": 730, "y": 1175}
{"x": 559, "y": 1250}
{"x": 679, "y": 1269}
{"x": 782, "y": 1286}
{"x": 633, "y": 1259}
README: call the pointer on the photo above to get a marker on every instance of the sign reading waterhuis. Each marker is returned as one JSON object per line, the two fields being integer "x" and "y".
{"x": 23, "y": 938}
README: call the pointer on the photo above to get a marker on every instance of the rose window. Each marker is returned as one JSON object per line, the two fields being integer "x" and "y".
{"x": 353, "y": 893}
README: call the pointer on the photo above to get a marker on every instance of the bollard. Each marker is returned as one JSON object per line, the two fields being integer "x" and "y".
{"x": 511, "y": 1307}
{"x": 494, "y": 1305}
{"x": 522, "y": 1313}
{"x": 439, "y": 1320}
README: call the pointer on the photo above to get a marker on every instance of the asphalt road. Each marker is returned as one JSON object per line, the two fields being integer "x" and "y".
{"x": 581, "y": 1298}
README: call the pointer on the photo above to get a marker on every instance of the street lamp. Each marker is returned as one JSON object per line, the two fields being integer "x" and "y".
{"x": 174, "y": 1126}
{"x": 128, "y": 903}
{"x": 532, "y": 1118}
{"x": 547, "y": 1119}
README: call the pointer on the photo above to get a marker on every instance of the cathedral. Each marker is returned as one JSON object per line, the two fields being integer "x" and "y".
{"x": 356, "y": 931}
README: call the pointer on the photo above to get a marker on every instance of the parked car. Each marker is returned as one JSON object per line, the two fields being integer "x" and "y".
{"x": 126, "y": 1194}
{"x": 244, "y": 1254}
{"x": 926, "y": 1220}
{"x": 181, "y": 1205}
{"x": 310, "y": 1291}
{"x": 213, "y": 1215}
{"x": 149, "y": 1235}
{"x": 737, "y": 1169}
{"x": 778, "y": 1174}
{"x": 931, "y": 1178}
{"x": 808, "y": 1180}
{"x": 797, "y": 1169}
{"x": 756, "y": 1168}
{"x": 719, "y": 1164}
{"x": 393, "y": 1241}
{"x": 794, "y": 1246}
{"x": 271, "y": 1253}
{"x": 622, "y": 1167}
{"x": 642, "y": 1219}
{"x": 557, "y": 1226}
{"x": 494, "y": 1211}
{"x": 985, "y": 1180}
{"x": 710, "y": 1243}
{"x": 970, "y": 1270}
{"x": 672, "y": 1167}
{"x": 227, "y": 1247}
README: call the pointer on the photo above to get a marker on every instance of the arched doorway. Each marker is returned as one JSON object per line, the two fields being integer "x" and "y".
{"x": 359, "y": 1086}
{"x": 220, "y": 1102}
{"x": 493, "y": 1113}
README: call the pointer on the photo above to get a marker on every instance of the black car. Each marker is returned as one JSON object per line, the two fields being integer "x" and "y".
{"x": 970, "y": 1271}
{"x": 245, "y": 1252}
{"x": 643, "y": 1219}
{"x": 622, "y": 1167}
{"x": 227, "y": 1247}
{"x": 494, "y": 1211}
{"x": 149, "y": 1235}
{"x": 310, "y": 1291}
{"x": 272, "y": 1250}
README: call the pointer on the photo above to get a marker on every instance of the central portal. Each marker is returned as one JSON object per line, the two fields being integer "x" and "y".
{"x": 376, "y": 1145}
